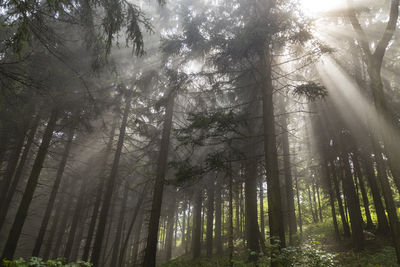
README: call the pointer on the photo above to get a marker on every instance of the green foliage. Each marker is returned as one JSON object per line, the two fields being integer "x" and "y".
{"x": 312, "y": 91}
{"x": 38, "y": 262}
{"x": 383, "y": 258}
{"x": 307, "y": 255}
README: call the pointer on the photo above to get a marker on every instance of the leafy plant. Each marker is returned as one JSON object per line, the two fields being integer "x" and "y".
{"x": 38, "y": 262}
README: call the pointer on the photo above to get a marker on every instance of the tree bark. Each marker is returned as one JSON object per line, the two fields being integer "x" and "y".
{"x": 170, "y": 226}
{"x": 218, "y": 216}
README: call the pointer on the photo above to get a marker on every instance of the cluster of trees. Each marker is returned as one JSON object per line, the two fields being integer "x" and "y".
{"x": 222, "y": 131}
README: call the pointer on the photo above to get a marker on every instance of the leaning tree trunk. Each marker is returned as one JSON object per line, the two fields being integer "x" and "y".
{"x": 18, "y": 173}
{"x": 152, "y": 239}
{"x": 54, "y": 191}
{"x": 22, "y": 213}
{"x": 110, "y": 184}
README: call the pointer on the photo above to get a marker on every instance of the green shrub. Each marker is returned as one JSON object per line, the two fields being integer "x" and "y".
{"x": 38, "y": 262}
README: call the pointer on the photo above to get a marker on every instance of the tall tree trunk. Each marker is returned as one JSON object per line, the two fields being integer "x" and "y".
{"x": 134, "y": 216}
{"x": 298, "y": 203}
{"x": 364, "y": 194}
{"x": 210, "y": 218}
{"x": 261, "y": 196}
{"x": 151, "y": 247}
{"x": 99, "y": 193}
{"x": 346, "y": 227}
{"x": 183, "y": 233}
{"x": 196, "y": 234}
{"x": 18, "y": 173}
{"x": 288, "y": 174}
{"x": 118, "y": 234}
{"x": 319, "y": 203}
{"x": 54, "y": 191}
{"x": 311, "y": 203}
{"x": 230, "y": 231}
{"x": 22, "y": 213}
{"x": 328, "y": 182}
{"x": 270, "y": 150}
{"x": 170, "y": 226}
{"x": 79, "y": 233}
{"x": 218, "y": 217}
{"x": 353, "y": 204}
{"x": 383, "y": 225}
{"x": 314, "y": 200}
{"x": 136, "y": 240}
{"x": 75, "y": 219}
{"x": 12, "y": 164}
{"x": 111, "y": 181}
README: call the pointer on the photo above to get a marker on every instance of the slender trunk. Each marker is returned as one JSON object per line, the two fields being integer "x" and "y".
{"x": 81, "y": 227}
{"x": 328, "y": 181}
{"x": 18, "y": 173}
{"x": 311, "y": 203}
{"x": 210, "y": 218}
{"x": 314, "y": 201}
{"x": 261, "y": 196}
{"x": 75, "y": 220}
{"x": 364, "y": 194}
{"x": 383, "y": 225}
{"x": 117, "y": 242}
{"x": 196, "y": 234}
{"x": 270, "y": 150}
{"x": 230, "y": 224}
{"x": 188, "y": 237}
{"x": 298, "y": 204}
{"x": 151, "y": 247}
{"x": 54, "y": 191}
{"x": 346, "y": 227}
{"x": 288, "y": 175}
{"x": 12, "y": 165}
{"x": 170, "y": 226}
{"x": 319, "y": 203}
{"x": 99, "y": 193}
{"x": 135, "y": 214}
{"x": 353, "y": 204}
{"x": 110, "y": 184}
{"x": 22, "y": 213}
{"x": 218, "y": 216}
{"x": 136, "y": 240}
{"x": 183, "y": 238}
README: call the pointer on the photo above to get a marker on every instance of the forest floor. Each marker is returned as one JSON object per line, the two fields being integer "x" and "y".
{"x": 318, "y": 248}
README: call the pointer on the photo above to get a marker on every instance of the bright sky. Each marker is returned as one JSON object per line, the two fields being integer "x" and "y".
{"x": 313, "y": 7}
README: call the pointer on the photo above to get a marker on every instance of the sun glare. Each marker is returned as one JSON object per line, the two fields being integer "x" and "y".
{"x": 315, "y": 7}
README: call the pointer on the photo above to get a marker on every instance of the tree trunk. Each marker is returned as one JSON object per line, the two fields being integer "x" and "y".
{"x": 196, "y": 234}
{"x": 18, "y": 173}
{"x": 23, "y": 208}
{"x": 170, "y": 226}
{"x": 314, "y": 201}
{"x": 230, "y": 231}
{"x": 311, "y": 203}
{"x": 99, "y": 193}
{"x": 210, "y": 218}
{"x": 270, "y": 150}
{"x": 218, "y": 216}
{"x": 319, "y": 203}
{"x": 117, "y": 242}
{"x": 288, "y": 175}
{"x": 151, "y": 247}
{"x": 261, "y": 196}
{"x": 54, "y": 191}
{"x": 110, "y": 184}
{"x": 135, "y": 214}
{"x": 298, "y": 204}
{"x": 353, "y": 204}
{"x": 346, "y": 227}
{"x": 364, "y": 194}
{"x": 136, "y": 241}
{"x": 75, "y": 220}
